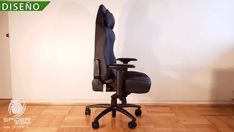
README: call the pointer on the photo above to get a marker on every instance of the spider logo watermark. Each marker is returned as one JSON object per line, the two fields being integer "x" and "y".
{"x": 16, "y": 109}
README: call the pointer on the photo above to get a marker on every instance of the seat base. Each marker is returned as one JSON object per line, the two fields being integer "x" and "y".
{"x": 113, "y": 107}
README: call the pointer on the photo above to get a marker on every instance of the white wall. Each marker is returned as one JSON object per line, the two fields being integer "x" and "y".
{"x": 5, "y": 74}
{"x": 185, "y": 46}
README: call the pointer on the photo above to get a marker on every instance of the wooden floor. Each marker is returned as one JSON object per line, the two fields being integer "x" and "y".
{"x": 155, "y": 118}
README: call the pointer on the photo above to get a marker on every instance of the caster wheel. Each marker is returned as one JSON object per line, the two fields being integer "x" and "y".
{"x": 132, "y": 124}
{"x": 95, "y": 125}
{"x": 87, "y": 111}
{"x": 138, "y": 112}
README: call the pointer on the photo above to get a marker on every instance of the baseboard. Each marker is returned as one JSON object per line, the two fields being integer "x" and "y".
{"x": 4, "y": 101}
{"x": 155, "y": 102}
{"x": 5, "y": 98}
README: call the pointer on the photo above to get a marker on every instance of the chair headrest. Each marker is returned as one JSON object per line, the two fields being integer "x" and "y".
{"x": 102, "y": 8}
{"x": 109, "y": 19}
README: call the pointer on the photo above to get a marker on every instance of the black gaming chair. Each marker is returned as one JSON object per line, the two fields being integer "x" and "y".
{"x": 116, "y": 77}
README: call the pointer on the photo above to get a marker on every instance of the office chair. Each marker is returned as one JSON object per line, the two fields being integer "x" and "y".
{"x": 115, "y": 77}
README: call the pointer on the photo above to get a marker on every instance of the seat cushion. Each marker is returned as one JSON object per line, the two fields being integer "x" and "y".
{"x": 137, "y": 82}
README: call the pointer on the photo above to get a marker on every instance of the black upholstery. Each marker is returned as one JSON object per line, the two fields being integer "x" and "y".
{"x": 109, "y": 20}
{"x": 137, "y": 82}
{"x": 104, "y": 55}
{"x": 107, "y": 72}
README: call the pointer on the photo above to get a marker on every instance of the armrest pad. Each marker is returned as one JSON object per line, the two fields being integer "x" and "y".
{"x": 126, "y": 60}
{"x": 120, "y": 66}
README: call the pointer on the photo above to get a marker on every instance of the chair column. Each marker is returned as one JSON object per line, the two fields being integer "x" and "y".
{"x": 113, "y": 105}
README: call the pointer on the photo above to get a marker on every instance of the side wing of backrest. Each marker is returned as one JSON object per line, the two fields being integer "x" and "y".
{"x": 98, "y": 52}
{"x": 104, "y": 42}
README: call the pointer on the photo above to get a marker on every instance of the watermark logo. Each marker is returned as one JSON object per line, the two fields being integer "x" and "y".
{"x": 23, "y": 5}
{"x": 16, "y": 108}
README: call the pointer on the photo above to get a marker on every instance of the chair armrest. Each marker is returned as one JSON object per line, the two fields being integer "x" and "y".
{"x": 126, "y": 60}
{"x": 120, "y": 70}
{"x": 120, "y": 66}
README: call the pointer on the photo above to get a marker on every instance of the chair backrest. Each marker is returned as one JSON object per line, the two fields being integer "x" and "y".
{"x": 104, "y": 44}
